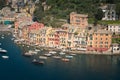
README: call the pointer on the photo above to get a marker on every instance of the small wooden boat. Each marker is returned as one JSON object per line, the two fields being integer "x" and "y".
{"x": 65, "y": 60}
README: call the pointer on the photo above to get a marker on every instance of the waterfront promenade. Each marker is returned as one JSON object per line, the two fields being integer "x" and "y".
{"x": 5, "y": 28}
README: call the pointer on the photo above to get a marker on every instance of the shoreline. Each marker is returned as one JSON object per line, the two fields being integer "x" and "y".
{"x": 58, "y": 50}
{"x": 72, "y": 52}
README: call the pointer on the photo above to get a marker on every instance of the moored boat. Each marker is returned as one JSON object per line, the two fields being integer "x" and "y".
{"x": 27, "y": 54}
{"x": 3, "y": 51}
{"x": 37, "y": 61}
{"x": 62, "y": 53}
{"x": 5, "y": 57}
{"x": 68, "y": 56}
{"x": 2, "y": 37}
{"x": 37, "y": 50}
{"x": 73, "y": 54}
{"x": 48, "y": 55}
{"x": 52, "y": 52}
{"x": 65, "y": 60}
{"x": 57, "y": 57}
{"x": 42, "y": 57}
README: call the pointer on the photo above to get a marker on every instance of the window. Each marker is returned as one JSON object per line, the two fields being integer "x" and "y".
{"x": 90, "y": 42}
{"x": 106, "y": 34}
{"x": 101, "y": 34}
{"x": 90, "y": 38}
{"x": 101, "y": 42}
{"x": 100, "y": 38}
{"x": 118, "y": 29}
{"x": 110, "y": 26}
{"x": 106, "y": 38}
{"x": 95, "y": 38}
{"x": 106, "y": 42}
{"x": 106, "y": 46}
{"x": 77, "y": 20}
{"x": 100, "y": 46}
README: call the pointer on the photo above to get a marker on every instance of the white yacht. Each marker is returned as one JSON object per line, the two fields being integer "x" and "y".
{"x": 5, "y": 57}
{"x": 2, "y": 50}
{"x": 2, "y": 37}
{"x": 62, "y": 53}
{"x": 52, "y": 52}
{"x": 42, "y": 57}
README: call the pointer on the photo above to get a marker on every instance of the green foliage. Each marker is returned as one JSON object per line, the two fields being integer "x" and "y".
{"x": 109, "y": 22}
{"x": 116, "y": 40}
{"x": 118, "y": 9}
{"x": 2, "y": 4}
{"x": 60, "y": 9}
{"x": 99, "y": 14}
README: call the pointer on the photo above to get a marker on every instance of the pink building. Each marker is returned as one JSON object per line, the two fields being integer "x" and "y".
{"x": 36, "y": 26}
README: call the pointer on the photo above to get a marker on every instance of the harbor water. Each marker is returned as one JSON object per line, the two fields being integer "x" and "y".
{"x": 81, "y": 67}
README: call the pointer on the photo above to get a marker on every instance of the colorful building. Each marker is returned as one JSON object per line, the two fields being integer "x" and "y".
{"x": 36, "y": 26}
{"x": 115, "y": 28}
{"x": 80, "y": 39}
{"x": 80, "y": 20}
{"x": 99, "y": 40}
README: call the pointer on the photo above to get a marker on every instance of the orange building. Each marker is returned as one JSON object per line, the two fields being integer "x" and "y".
{"x": 80, "y": 20}
{"x": 99, "y": 40}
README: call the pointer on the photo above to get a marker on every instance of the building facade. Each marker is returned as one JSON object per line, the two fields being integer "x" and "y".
{"x": 99, "y": 40}
{"x": 115, "y": 28}
{"x": 109, "y": 12}
{"x": 80, "y": 20}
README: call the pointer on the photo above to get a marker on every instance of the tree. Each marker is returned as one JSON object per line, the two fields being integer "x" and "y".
{"x": 99, "y": 14}
{"x": 118, "y": 9}
{"x": 2, "y": 4}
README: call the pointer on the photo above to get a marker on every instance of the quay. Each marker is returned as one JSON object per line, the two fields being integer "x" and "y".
{"x": 5, "y": 28}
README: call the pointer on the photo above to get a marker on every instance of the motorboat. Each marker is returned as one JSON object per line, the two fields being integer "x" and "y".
{"x": 37, "y": 50}
{"x": 37, "y": 61}
{"x": 52, "y": 52}
{"x": 69, "y": 56}
{"x": 62, "y": 53}
{"x": 5, "y": 57}
{"x": 2, "y": 50}
{"x": 57, "y": 57}
{"x": 27, "y": 54}
{"x": 32, "y": 52}
{"x": 2, "y": 37}
{"x": 73, "y": 54}
{"x": 48, "y": 55}
{"x": 42, "y": 57}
